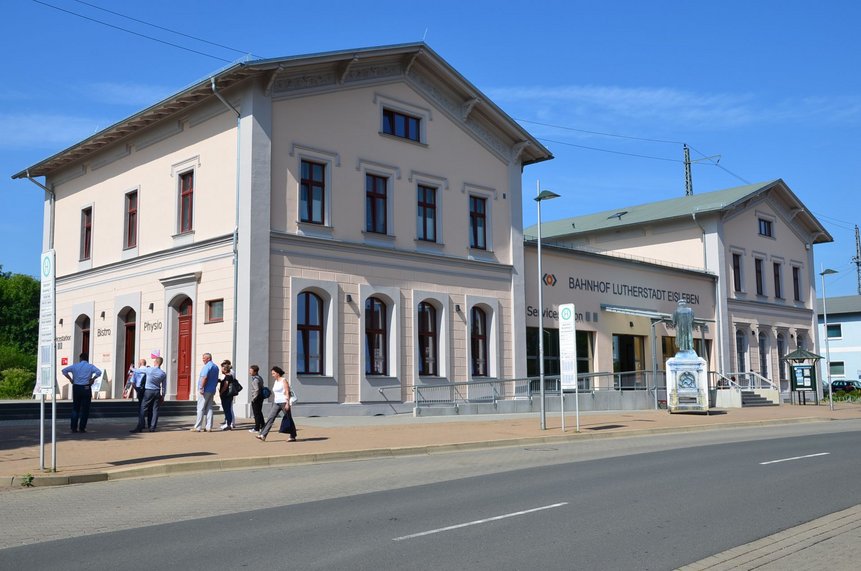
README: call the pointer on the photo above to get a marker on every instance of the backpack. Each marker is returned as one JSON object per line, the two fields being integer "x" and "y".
{"x": 266, "y": 392}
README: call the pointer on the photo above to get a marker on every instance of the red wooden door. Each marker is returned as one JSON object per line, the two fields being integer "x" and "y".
{"x": 129, "y": 346}
{"x": 183, "y": 361}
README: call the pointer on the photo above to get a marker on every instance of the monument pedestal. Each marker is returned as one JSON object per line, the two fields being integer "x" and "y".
{"x": 687, "y": 383}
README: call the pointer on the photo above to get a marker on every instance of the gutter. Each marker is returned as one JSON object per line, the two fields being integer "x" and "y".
{"x": 236, "y": 222}
{"x": 51, "y": 211}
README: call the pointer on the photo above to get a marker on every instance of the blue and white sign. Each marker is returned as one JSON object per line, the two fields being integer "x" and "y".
{"x": 47, "y": 326}
{"x": 568, "y": 346}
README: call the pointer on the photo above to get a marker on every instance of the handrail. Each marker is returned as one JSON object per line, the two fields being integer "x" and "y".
{"x": 382, "y": 390}
{"x": 764, "y": 379}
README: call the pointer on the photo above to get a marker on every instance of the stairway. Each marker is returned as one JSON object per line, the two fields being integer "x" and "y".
{"x": 751, "y": 398}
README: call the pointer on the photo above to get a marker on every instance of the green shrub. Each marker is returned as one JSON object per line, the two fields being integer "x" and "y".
{"x": 17, "y": 383}
{"x": 11, "y": 357}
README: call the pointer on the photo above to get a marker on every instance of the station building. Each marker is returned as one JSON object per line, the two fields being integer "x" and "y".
{"x": 844, "y": 336}
{"x": 355, "y": 218}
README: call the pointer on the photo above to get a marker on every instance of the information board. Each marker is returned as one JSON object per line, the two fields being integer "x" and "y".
{"x": 568, "y": 346}
{"x": 47, "y": 326}
{"x": 803, "y": 377}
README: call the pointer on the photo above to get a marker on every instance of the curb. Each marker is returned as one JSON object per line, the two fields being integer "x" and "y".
{"x": 227, "y": 464}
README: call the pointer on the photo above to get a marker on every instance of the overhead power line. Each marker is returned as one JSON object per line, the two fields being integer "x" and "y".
{"x": 600, "y": 133}
{"x": 120, "y": 28}
{"x": 244, "y": 52}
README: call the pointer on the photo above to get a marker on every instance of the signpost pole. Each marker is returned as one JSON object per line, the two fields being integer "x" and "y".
{"x": 47, "y": 356}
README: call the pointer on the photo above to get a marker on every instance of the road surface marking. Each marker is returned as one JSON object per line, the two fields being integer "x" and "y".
{"x": 794, "y": 458}
{"x": 476, "y": 522}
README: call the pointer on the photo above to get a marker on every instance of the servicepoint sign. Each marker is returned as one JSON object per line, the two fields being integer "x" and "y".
{"x": 568, "y": 346}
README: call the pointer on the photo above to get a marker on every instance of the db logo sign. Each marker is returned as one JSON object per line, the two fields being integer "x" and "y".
{"x": 64, "y": 360}
{"x": 549, "y": 279}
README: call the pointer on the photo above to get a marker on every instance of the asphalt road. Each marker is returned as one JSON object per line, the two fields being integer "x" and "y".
{"x": 636, "y": 503}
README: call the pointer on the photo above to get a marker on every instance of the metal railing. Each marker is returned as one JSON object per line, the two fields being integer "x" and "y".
{"x": 745, "y": 381}
{"x": 495, "y": 390}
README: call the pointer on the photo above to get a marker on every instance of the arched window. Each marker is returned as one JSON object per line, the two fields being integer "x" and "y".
{"x": 82, "y": 324}
{"x": 376, "y": 338}
{"x": 309, "y": 334}
{"x": 479, "y": 342}
{"x": 428, "y": 362}
{"x": 740, "y": 350}
{"x": 763, "y": 355}
{"x": 781, "y": 353}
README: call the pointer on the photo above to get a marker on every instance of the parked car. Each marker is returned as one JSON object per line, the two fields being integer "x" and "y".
{"x": 845, "y": 386}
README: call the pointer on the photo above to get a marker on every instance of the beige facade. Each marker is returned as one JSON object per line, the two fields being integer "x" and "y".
{"x": 183, "y": 229}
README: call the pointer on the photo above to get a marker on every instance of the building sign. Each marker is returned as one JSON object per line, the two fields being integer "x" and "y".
{"x": 633, "y": 290}
{"x": 568, "y": 346}
{"x": 47, "y": 325}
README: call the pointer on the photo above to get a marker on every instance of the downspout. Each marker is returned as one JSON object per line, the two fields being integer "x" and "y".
{"x": 718, "y": 313}
{"x": 236, "y": 222}
{"x": 51, "y": 210}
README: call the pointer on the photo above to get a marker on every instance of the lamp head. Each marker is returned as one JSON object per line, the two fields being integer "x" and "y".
{"x": 545, "y": 195}
{"x": 827, "y": 272}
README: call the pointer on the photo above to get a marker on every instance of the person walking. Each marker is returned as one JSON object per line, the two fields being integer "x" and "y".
{"x": 155, "y": 384}
{"x": 225, "y": 391}
{"x": 207, "y": 384}
{"x": 281, "y": 394}
{"x": 256, "y": 397}
{"x": 82, "y": 375}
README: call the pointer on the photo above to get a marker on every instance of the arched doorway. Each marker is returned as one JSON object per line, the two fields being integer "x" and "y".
{"x": 128, "y": 329}
{"x": 183, "y": 349}
{"x": 82, "y": 337}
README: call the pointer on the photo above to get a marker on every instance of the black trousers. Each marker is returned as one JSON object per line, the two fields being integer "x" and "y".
{"x": 257, "y": 411}
{"x": 148, "y": 413}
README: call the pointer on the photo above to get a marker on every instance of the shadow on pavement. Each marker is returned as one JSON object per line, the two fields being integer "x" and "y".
{"x": 162, "y": 457}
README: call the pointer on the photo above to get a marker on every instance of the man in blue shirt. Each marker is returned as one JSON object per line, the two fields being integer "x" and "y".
{"x": 82, "y": 375}
{"x": 155, "y": 383}
{"x": 207, "y": 383}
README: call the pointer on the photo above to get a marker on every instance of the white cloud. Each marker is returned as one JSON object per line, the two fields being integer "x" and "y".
{"x": 43, "y": 131}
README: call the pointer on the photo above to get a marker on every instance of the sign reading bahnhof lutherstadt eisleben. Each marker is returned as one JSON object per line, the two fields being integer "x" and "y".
{"x": 630, "y": 290}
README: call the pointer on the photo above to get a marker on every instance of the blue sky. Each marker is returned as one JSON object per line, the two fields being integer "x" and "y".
{"x": 773, "y": 87}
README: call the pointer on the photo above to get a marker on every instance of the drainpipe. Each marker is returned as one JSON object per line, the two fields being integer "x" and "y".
{"x": 236, "y": 223}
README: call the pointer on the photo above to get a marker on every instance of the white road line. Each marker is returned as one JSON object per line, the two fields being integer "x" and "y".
{"x": 794, "y": 458}
{"x": 476, "y": 522}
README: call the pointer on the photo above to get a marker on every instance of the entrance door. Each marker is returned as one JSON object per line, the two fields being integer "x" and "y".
{"x": 628, "y": 352}
{"x": 183, "y": 360}
{"x": 129, "y": 345}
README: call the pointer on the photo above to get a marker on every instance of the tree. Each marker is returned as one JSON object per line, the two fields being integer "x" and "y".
{"x": 19, "y": 311}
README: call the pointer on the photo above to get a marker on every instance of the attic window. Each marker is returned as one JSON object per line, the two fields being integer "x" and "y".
{"x": 618, "y": 215}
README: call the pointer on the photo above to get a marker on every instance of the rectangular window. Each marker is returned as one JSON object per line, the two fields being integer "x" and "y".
{"x": 760, "y": 282}
{"x": 736, "y": 271}
{"x": 312, "y": 192}
{"x": 131, "y": 237}
{"x": 426, "y": 213}
{"x": 477, "y": 222}
{"x": 796, "y": 282}
{"x": 838, "y": 368}
{"x": 765, "y": 228}
{"x": 214, "y": 310}
{"x": 375, "y": 203}
{"x": 778, "y": 286}
{"x": 401, "y": 125}
{"x": 86, "y": 233}
{"x": 186, "y": 202}
{"x": 835, "y": 331}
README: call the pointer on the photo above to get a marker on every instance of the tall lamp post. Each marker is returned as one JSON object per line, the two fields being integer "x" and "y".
{"x": 822, "y": 274}
{"x": 541, "y": 196}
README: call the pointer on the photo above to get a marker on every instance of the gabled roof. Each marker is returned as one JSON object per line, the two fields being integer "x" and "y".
{"x": 462, "y": 96}
{"x": 841, "y": 305}
{"x": 681, "y": 207}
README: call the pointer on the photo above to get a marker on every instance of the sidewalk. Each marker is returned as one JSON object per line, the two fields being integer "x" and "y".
{"x": 108, "y": 451}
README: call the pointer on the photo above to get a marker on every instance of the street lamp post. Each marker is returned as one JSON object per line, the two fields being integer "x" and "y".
{"x": 540, "y": 197}
{"x": 822, "y": 274}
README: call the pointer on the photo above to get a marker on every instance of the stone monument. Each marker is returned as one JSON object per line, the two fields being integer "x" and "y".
{"x": 687, "y": 383}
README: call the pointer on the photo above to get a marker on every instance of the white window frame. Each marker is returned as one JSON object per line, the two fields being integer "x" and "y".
{"x": 489, "y": 195}
{"x": 763, "y": 259}
{"x": 441, "y": 304}
{"x": 192, "y": 165}
{"x": 441, "y": 185}
{"x": 391, "y": 296}
{"x": 424, "y": 114}
{"x": 328, "y": 292}
{"x": 491, "y": 308}
{"x": 86, "y": 264}
{"x": 839, "y": 325}
{"x": 329, "y": 159}
{"x": 131, "y": 252}
{"x": 741, "y": 254}
{"x": 391, "y": 173}
{"x": 760, "y": 217}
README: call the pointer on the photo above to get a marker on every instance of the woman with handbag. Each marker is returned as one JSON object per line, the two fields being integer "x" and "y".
{"x": 281, "y": 392}
{"x": 225, "y": 390}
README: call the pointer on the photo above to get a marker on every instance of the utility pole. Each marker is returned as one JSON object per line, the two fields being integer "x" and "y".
{"x": 689, "y": 185}
{"x": 857, "y": 258}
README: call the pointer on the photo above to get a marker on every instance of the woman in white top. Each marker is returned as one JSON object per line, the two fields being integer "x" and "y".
{"x": 281, "y": 394}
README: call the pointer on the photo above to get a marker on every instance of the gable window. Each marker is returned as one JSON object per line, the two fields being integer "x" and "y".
{"x": 760, "y": 280}
{"x": 778, "y": 285}
{"x": 796, "y": 282}
{"x": 401, "y": 125}
{"x": 426, "y": 216}
{"x": 427, "y": 332}
{"x": 312, "y": 199}
{"x": 131, "y": 222}
{"x": 86, "y": 233}
{"x": 736, "y": 271}
{"x": 766, "y": 228}
{"x": 215, "y": 311}
{"x": 375, "y": 203}
{"x": 479, "y": 342}
{"x": 376, "y": 342}
{"x": 186, "y": 202}
{"x": 309, "y": 334}
{"x": 477, "y": 222}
